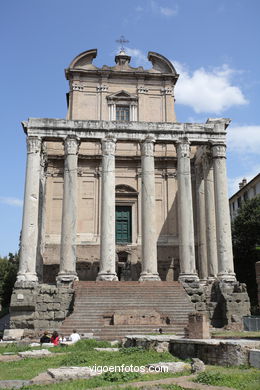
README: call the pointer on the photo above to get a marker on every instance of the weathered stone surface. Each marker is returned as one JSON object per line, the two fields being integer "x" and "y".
{"x": 65, "y": 373}
{"x": 148, "y": 209}
{"x": 197, "y": 365}
{"x": 162, "y": 347}
{"x": 106, "y": 349}
{"x": 216, "y": 352}
{"x": 169, "y": 366}
{"x": 254, "y": 358}
{"x": 185, "y": 213}
{"x": 198, "y": 326}
{"x": 107, "y": 238}
{"x": 114, "y": 343}
{"x": 88, "y": 336}
{"x": 134, "y": 317}
{"x": 13, "y": 384}
{"x": 49, "y": 305}
{"x": 35, "y": 353}
{"x": 13, "y": 334}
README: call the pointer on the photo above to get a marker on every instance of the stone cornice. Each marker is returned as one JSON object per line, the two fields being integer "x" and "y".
{"x": 197, "y": 133}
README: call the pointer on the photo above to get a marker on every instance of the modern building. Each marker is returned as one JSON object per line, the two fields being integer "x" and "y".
{"x": 247, "y": 191}
{"x": 120, "y": 192}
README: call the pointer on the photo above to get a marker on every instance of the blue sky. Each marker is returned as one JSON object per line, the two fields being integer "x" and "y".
{"x": 214, "y": 45}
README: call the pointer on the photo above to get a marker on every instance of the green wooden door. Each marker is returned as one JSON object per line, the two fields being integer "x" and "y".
{"x": 123, "y": 224}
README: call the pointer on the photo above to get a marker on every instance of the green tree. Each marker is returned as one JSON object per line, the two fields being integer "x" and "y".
{"x": 246, "y": 241}
{"x": 8, "y": 272}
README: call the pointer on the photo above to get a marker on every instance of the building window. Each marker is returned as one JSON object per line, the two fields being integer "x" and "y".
{"x": 239, "y": 202}
{"x": 245, "y": 196}
{"x": 123, "y": 224}
{"x": 122, "y": 113}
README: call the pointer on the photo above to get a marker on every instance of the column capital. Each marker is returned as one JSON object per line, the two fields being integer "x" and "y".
{"x": 33, "y": 144}
{"x": 147, "y": 147}
{"x": 218, "y": 150}
{"x": 108, "y": 146}
{"x": 71, "y": 145}
{"x": 183, "y": 147}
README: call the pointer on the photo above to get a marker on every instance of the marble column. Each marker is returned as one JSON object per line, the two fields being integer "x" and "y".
{"x": 107, "y": 240}
{"x": 149, "y": 236}
{"x": 201, "y": 223}
{"x": 223, "y": 228}
{"x": 210, "y": 217}
{"x": 185, "y": 214}
{"x": 29, "y": 238}
{"x": 68, "y": 257}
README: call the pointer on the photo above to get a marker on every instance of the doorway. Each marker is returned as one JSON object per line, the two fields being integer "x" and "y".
{"x": 123, "y": 224}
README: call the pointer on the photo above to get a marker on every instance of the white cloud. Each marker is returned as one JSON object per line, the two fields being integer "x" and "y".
{"x": 208, "y": 91}
{"x": 138, "y": 55}
{"x": 244, "y": 139}
{"x": 165, "y": 11}
{"x": 11, "y": 201}
{"x": 139, "y": 9}
{"x": 168, "y": 11}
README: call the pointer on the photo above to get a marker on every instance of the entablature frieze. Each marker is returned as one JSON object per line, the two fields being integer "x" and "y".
{"x": 196, "y": 133}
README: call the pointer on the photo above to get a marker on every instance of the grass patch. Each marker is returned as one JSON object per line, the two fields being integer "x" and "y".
{"x": 227, "y": 334}
{"x": 107, "y": 379}
{"x": 15, "y": 348}
{"x": 241, "y": 378}
{"x": 81, "y": 354}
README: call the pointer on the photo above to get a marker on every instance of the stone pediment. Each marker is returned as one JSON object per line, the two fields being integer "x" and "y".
{"x": 122, "y": 95}
{"x": 160, "y": 64}
{"x": 84, "y": 60}
{"x": 125, "y": 189}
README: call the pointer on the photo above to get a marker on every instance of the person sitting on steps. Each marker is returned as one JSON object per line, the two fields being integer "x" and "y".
{"x": 74, "y": 337}
{"x": 45, "y": 338}
{"x": 55, "y": 338}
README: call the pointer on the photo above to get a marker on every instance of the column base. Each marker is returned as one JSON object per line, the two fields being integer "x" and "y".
{"x": 102, "y": 276}
{"x": 227, "y": 277}
{"x": 66, "y": 277}
{"x": 145, "y": 276}
{"x": 188, "y": 278}
{"x": 27, "y": 277}
{"x": 212, "y": 279}
{"x": 203, "y": 282}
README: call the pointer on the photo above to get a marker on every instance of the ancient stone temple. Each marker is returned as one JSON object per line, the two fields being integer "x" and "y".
{"x": 121, "y": 199}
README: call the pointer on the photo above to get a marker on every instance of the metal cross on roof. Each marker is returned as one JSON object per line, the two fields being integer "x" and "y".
{"x": 122, "y": 40}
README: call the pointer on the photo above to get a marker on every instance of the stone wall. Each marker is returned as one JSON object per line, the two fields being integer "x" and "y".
{"x": 39, "y": 306}
{"x": 225, "y": 302}
{"x": 215, "y": 352}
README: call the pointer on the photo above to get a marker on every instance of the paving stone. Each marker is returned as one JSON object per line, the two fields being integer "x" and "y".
{"x": 197, "y": 365}
{"x": 107, "y": 349}
{"x": 35, "y": 353}
{"x": 66, "y": 373}
{"x": 13, "y": 384}
{"x": 169, "y": 366}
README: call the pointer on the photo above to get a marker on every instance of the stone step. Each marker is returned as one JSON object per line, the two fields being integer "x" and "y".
{"x": 96, "y": 300}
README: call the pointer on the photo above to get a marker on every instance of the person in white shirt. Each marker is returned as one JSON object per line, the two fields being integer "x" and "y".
{"x": 74, "y": 337}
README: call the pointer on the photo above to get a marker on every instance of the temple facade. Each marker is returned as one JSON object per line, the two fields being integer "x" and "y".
{"x": 121, "y": 191}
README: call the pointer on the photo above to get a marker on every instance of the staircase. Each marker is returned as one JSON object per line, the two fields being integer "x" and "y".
{"x": 96, "y": 302}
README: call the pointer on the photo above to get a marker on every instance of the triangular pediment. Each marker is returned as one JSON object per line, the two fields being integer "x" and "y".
{"x": 122, "y": 95}
{"x": 124, "y": 188}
